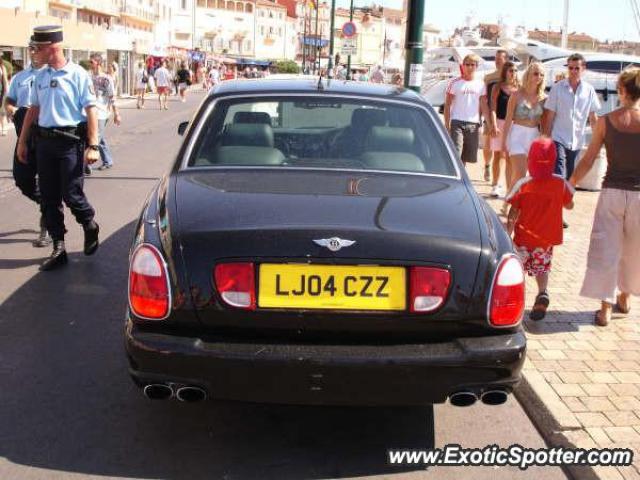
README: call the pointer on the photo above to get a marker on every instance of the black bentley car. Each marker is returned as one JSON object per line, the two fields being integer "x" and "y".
{"x": 319, "y": 242}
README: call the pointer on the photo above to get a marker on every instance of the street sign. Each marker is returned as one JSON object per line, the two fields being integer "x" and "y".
{"x": 349, "y": 29}
{"x": 349, "y": 47}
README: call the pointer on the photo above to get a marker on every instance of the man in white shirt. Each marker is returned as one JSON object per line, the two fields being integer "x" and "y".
{"x": 570, "y": 103}
{"x": 163, "y": 84}
{"x": 466, "y": 97}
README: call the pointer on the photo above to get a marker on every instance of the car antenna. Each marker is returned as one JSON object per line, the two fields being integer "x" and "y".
{"x": 320, "y": 85}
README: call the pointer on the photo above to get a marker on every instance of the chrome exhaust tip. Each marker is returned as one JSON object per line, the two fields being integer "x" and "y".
{"x": 463, "y": 399}
{"x": 191, "y": 394}
{"x": 158, "y": 391}
{"x": 494, "y": 397}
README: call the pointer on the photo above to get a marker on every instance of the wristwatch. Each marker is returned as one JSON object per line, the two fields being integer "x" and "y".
{"x": 94, "y": 147}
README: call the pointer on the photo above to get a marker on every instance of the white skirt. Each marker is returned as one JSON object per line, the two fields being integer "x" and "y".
{"x": 521, "y": 138}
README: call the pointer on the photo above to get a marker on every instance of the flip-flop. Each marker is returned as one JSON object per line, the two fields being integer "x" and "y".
{"x": 618, "y": 307}
{"x": 539, "y": 309}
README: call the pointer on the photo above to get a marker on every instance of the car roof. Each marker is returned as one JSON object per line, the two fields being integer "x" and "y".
{"x": 309, "y": 84}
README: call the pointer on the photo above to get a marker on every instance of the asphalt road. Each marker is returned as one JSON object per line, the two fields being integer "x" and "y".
{"x": 69, "y": 410}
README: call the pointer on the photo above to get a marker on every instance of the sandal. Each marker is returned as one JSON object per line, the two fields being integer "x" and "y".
{"x": 600, "y": 320}
{"x": 619, "y": 308}
{"x": 539, "y": 309}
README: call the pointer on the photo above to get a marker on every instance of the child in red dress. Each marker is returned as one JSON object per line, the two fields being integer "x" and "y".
{"x": 536, "y": 217}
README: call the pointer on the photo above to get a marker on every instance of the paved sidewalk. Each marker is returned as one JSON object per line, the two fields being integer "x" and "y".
{"x": 581, "y": 383}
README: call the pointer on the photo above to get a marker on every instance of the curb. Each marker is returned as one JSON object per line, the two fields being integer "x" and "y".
{"x": 557, "y": 425}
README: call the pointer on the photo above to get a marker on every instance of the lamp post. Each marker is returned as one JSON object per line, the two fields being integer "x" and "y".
{"x": 414, "y": 47}
{"x": 331, "y": 28}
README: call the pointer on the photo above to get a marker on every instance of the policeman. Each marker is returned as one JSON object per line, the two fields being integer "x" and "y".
{"x": 63, "y": 104}
{"x": 16, "y": 105}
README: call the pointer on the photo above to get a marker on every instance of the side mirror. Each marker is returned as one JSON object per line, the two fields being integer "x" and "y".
{"x": 182, "y": 127}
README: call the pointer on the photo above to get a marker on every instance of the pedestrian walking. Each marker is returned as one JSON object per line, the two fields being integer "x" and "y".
{"x": 105, "y": 104}
{"x": 506, "y": 86}
{"x": 535, "y": 218}
{"x": 466, "y": 97}
{"x": 378, "y": 75}
{"x": 214, "y": 76}
{"x": 613, "y": 263}
{"x": 490, "y": 80}
{"x": 112, "y": 72}
{"x": 571, "y": 102}
{"x": 142, "y": 83}
{"x": 16, "y": 104}
{"x": 523, "y": 120}
{"x": 4, "y": 88}
{"x": 163, "y": 84}
{"x": 63, "y": 105}
{"x": 184, "y": 81}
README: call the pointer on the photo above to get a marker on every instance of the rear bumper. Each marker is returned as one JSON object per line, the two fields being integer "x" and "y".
{"x": 367, "y": 375}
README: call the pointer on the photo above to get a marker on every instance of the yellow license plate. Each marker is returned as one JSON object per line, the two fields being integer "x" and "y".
{"x": 343, "y": 287}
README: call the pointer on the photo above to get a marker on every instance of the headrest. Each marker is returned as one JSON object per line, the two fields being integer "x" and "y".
{"x": 390, "y": 139}
{"x": 252, "y": 117}
{"x": 248, "y": 135}
{"x": 367, "y": 117}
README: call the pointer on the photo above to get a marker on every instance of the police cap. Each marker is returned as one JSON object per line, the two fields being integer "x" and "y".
{"x": 47, "y": 34}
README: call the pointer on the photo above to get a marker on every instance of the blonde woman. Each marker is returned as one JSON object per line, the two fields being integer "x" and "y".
{"x": 507, "y": 85}
{"x": 613, "y": 263}
{"x": 522, "y": 123}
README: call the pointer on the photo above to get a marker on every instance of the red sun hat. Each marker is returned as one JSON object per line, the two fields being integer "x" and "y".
{"x": 542, "y": 158}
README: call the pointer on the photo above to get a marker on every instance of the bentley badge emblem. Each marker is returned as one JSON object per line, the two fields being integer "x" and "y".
{"x": 334, "y": 243}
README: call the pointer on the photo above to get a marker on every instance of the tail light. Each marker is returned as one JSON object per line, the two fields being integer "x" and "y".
{"x": 149, "y": 294}
{"x": 236, "y": 284}
{"x": 506, "y": 305}
{"x": 429, "y": 288}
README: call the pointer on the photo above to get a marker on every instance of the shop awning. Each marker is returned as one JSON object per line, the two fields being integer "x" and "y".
{"x": 253, "y": 62}
{"x": 315, "y": 42}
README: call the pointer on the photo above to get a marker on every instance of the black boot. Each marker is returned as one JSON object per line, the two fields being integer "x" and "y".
{"x": 43, "y": 239}
{"x": 57, "y": 258}
{"x": 91, "y": 242}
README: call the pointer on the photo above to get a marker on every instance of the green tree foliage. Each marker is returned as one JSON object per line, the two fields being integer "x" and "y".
{"x": 286, "y": 66}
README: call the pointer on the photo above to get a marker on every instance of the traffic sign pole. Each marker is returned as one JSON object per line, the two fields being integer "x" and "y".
{"x": 349, "y": 57}
{"x": 414, "y": 47}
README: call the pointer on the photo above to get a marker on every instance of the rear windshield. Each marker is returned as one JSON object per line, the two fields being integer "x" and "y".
{"x": 321, "y": 132}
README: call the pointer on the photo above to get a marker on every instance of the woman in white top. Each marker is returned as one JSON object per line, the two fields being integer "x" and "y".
{"x": 142, "y": 82}
{"x": 522, "y": 123}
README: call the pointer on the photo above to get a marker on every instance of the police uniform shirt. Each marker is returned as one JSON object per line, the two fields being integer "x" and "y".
{"x": 62, "y": 95}
{"x": 21, "y": 86}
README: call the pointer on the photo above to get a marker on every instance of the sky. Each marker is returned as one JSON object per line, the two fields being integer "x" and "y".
{"x": 611, "y": 19}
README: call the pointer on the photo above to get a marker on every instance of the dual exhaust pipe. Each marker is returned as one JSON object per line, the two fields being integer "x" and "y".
{"x": 162, "y": 391}
{"x": 489, "y": 397}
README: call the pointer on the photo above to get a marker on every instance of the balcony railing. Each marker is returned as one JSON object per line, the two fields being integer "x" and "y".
{"x": 146, "y": 14}
{"x": 97, "y": 6}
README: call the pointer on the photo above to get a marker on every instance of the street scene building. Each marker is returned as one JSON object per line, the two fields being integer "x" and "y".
{"x": 217, "y": 173}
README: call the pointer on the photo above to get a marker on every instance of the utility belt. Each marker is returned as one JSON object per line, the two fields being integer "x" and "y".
{"x": 77, "y": 133}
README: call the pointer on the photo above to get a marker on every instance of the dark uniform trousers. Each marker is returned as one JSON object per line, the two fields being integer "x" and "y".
{"x": 61, "y": 177}
{"x": 24, "y": 174}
